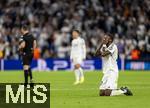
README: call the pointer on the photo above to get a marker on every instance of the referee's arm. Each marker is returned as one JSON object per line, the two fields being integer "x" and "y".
{"x": 22, "y": 45}
{"x": 34, "y": 44}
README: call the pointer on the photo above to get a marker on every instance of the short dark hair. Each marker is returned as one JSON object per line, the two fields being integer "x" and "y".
{"x": 25, "y": 27}
{"x": 76, "y": 31}
{"x": 111, "y": 36}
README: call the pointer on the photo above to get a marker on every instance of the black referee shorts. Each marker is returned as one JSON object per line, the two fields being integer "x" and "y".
{"x": 27, "y": 59}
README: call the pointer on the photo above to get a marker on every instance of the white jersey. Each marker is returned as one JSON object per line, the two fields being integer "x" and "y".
{"x": 110, "y": 61}
{"x": 78, "y": 48}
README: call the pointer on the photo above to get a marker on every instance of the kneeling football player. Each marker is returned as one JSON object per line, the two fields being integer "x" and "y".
{"x": 109, "y": 53}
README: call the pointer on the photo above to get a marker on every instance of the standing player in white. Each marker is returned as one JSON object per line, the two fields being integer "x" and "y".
{"x": 78, "y": 54}
{"x": 109, "y": 53}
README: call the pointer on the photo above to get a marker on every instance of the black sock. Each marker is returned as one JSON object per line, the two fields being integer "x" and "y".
{"x": 30, "y": 73}
{"x": 26, "y": 76}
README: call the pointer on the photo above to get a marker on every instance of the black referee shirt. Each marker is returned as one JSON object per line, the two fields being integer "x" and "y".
{"x": 29, "y": 40}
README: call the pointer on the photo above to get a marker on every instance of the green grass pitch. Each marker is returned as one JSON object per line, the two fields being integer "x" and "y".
{"x": 65, "y": 95}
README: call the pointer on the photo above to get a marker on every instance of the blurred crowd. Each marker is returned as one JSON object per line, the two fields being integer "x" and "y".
{"x": 51, "y": 22}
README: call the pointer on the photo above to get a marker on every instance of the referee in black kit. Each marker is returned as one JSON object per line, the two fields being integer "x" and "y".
{"x": 27, "y": 44}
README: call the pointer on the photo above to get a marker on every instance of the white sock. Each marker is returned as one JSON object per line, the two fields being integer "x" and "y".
{"x": 77, "y": 74}
{"x": 117, "y": 92}
{"x": 81, "y": 72}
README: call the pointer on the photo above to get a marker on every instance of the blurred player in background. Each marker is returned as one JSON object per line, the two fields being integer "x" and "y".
{"x": 27, "y": 44}
{"x": 109, "y": 53}
{"x": 78, "y": 54}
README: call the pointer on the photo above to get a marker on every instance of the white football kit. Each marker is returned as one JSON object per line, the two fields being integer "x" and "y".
{"x": 78, "y": 51}
{"x": 110, "y": 69}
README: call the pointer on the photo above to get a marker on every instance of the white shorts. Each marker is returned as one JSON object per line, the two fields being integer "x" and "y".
{"x": 109, "y": 81}
{"x": 77, "y": 60}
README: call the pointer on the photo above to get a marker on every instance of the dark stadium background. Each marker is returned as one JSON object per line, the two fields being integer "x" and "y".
{"x": 51, "y": 22}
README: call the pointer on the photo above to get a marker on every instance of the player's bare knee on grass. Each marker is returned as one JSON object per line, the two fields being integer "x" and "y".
{"x": 102, "y": 93}
{"x": 108, "y": 92}
{"x": 25, "y": 67}
{"x": 77, "y": 66}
